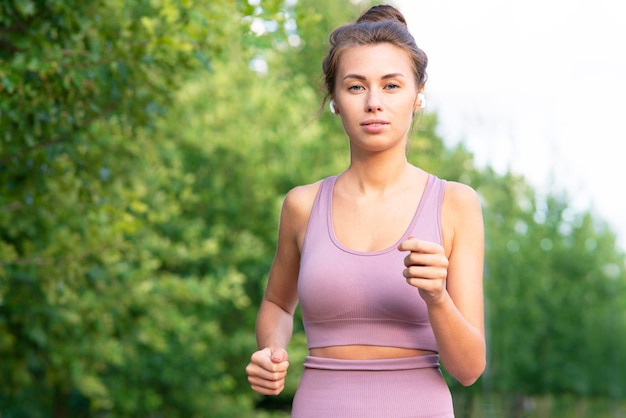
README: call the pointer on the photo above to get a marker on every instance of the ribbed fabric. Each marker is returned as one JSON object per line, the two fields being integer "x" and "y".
{"x": 353, "y": 297}
{"x": 411, "y": 387}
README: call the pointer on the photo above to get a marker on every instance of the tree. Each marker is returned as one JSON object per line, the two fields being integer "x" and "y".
{"x": 84, "y": 309}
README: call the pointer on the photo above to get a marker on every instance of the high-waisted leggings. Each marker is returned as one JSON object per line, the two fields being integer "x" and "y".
{"x": 410, "y": 387}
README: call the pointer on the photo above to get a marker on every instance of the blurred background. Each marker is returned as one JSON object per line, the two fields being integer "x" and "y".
{"x": 145, "y": 148}
{"x": 534, "y": 87}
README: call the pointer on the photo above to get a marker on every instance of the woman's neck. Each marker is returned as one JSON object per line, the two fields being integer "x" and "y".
{"x": 379, "y": 174}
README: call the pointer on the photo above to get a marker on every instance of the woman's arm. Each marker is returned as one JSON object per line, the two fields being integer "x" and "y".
{"x": 268, "y": 366}
{"x": 450, "y": 281}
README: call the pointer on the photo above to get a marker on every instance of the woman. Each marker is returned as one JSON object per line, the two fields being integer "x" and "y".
{"x": 385, "y": 259}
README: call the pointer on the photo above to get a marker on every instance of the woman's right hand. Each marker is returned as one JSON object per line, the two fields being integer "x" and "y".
{"x": 267, "y": 370}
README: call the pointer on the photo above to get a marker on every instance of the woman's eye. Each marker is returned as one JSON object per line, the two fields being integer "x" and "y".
{"x": 355, "y": 88}
{"x": 392, "y": 86}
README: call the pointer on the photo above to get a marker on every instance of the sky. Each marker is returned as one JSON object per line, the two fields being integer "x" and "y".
{"x": 537, "y": 87}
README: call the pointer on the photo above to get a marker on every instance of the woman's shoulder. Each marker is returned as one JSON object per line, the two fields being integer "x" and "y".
{"x": 461, "y": 214}
{"x": 461, "y": 203}
{"x": 302, "y": 196}
{"x": 299, "y": 201}
{"x": 456, "y": 195}
{"x": 460, "y": 194}
{"x": 297, "y": 207}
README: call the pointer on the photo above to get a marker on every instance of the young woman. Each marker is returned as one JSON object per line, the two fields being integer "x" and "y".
{"x": 385, "y": 259}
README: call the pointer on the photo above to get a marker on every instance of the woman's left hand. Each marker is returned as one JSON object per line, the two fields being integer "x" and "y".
{"x": 426, "y": 268}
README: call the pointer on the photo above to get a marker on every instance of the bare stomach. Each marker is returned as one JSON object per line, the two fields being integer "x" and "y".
{"x": 366, "y": 352}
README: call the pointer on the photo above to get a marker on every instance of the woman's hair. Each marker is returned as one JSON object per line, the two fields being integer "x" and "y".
{"x": 380, "y": 24}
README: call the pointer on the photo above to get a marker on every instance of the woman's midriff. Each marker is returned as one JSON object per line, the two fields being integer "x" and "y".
{"x": 366, "y": 352}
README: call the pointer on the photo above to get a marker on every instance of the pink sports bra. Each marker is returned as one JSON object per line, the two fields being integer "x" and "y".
{"x": 353, "y": 297}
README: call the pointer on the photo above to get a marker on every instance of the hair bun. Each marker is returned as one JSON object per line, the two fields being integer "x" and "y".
{"x": 382, "y": 12}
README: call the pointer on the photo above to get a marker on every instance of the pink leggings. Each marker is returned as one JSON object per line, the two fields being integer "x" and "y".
{"x": 411, "y": 387}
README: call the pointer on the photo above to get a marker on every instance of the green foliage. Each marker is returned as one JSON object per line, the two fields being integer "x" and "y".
{"x": 554, "y": 284}
{"x": 109, "y": 300}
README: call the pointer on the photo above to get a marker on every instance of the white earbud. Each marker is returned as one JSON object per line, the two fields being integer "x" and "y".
{"x": 422, "y": 100}
{"x": 333, "y": 109}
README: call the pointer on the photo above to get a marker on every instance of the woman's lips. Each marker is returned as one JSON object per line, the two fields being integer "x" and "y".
{"x": 374, "y": 125}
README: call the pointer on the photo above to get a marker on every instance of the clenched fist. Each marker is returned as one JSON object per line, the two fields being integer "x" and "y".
{"x": 267, "y": 370}
{"x": 426, "y": 268}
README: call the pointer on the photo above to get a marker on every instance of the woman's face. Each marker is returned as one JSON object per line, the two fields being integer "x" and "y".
{"x": 376, "y": 96}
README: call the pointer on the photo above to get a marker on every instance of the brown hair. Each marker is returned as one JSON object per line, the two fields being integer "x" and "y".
{"x": 379, "y": 24}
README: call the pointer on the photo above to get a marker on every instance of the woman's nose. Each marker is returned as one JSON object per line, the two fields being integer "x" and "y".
{"x": 373, "y": 103}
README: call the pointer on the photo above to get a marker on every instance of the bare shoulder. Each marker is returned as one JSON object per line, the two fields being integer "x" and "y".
{"x": 296, "y": 209}
{"x": 299, "y": 201}
{"x": 461, "y": 213}
{"x": 459, "y": 196}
